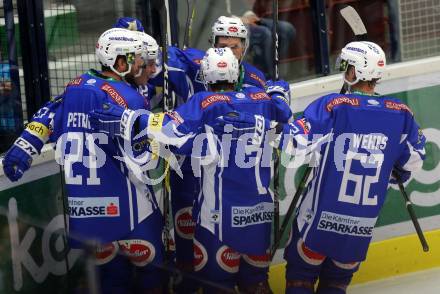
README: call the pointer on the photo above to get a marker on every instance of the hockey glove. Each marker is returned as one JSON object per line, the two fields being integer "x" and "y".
{"x": 402, "y": 175}
{"x": 111, "y": 119}
{"x": 28, "y": 146}
{"x": 240, "y": 123}
{"x": 280, "y": 88}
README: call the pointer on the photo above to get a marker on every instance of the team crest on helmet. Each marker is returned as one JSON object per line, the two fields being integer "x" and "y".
{"x": 222, "y": 64}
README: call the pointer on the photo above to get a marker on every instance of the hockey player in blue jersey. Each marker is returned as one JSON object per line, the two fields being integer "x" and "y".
{"x": 235, "y": 200}
{"x": 153, "y": 66}
{"x": 361, "y": 138}
{"x": 185, "y": 80}
{"x": 148, "y": 70}
{"x": 225, "y": 32}
{"x": 184, "y": 71}
{"x": 106, "y": 203}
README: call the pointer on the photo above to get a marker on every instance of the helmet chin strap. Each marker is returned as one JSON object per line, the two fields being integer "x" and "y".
{"x": 139, "y": 73}
{"x": 243, "y": 55}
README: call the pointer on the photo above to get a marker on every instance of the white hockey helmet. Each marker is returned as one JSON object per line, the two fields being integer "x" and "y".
{"x": 218, "y": 65}
{"x": 115, "y": 42}
{"x": 230, "y": 27}
{"x": 367, "y": 58}
{"x": 151, "y": 45}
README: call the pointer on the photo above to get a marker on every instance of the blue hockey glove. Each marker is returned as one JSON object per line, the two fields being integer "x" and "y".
{"x": 129, "y": 23}
{"x": 240, "y": 123}
{"x": 19, "y": 157}
{"x": 402, "y": 175}
{"x": 280, "y": 87}
{"x": 108, "y": 119}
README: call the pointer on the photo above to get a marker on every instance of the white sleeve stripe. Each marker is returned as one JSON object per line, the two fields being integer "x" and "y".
{"x": 402, "y": 138}
{"x": 415, "y": 160}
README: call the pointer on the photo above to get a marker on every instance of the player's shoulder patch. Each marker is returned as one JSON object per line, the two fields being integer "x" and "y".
{"x": 304, "y": 124}
{"x": 175, "y": 116}
{"x": 396, "y": 105}
{"x": 338, "y": 100}
{"x": 259, "y": 96}
{"x": 75, "y": 82}
{"x": 114, "y": 94}
{"x": 258, "y": 79}
{"x": 215, "y": 98}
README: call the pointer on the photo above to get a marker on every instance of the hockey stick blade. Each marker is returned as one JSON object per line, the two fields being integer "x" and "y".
{"x": 354, "y": 21}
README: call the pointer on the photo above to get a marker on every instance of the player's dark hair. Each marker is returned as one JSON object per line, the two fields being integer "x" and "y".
{"x": 222, "y": 86}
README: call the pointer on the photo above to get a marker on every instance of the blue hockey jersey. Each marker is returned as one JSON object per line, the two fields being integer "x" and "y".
{"x": 365, "y": 137}
{"x": 105, "y": 203}
{"x": 235, "y": 199}
{"x": 185, "y": 80}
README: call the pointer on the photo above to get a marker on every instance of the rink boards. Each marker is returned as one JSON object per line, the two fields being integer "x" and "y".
{"x": 31, "y": 212}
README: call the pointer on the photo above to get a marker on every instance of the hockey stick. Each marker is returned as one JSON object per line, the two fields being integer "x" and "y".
{"x": 355, "y": 22}
{"x": 275, "y": 39}
{"x": 412, "y": 214}
{"x": 168, "y": 104}
{"x": 357, "y": 26}
{"x": 291, "y": 210}
{"x": 189, "y": 22}
{"x": 276, "y": 178}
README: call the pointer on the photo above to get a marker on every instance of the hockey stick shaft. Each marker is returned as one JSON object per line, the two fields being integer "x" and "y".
{"x": 189, "y": 22}
{"x": 276, "y": 204}
{"x": 276, "y": 183}
{"x": 168, "y": 103}
{"x": 411, "y": 212}
{"x": 291, "y": 210}
{"x": 275, "y": 39}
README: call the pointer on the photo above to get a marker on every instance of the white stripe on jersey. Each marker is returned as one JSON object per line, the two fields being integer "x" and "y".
{"x": 208, "y": 201}
{"x": 130, "y": 198}
{"x": 144, "y": 205}
{"x": 220, "y": 203}
{"x": 415, "y": 161}
{"x": 317, "y": 193}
